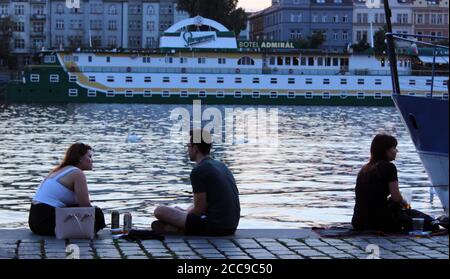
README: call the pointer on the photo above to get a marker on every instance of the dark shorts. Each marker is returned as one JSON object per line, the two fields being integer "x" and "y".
{"x": 199, "y": 225}
{"x": 42, "y": 219}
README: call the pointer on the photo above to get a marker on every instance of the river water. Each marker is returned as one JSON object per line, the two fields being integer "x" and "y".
{"x": 307, "y": 179}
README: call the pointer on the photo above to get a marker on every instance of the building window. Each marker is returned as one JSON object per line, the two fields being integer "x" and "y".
{"x": 112, "y": 25}
{"x": 60, "y": 24}
{"x": 19, "y": 9}
{"x": 150, "y": 10}
{"x": 112, "y": 10}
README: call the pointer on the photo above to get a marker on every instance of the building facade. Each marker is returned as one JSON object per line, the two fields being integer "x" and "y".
{"x": 94, "y": 23}
{"x": 290, "y": 20}
{"x": 430, "y": 17}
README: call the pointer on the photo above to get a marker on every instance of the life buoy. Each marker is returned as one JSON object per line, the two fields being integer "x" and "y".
{"x": 238, "y": 70}
{"x": 128, "y": 69}
{"x": 291, "y": 71}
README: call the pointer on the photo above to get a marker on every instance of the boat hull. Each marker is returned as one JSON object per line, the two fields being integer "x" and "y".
{"x": 427, "y": 122}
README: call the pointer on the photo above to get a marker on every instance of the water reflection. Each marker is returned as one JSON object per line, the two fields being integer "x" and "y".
{"x": 307, "y": 181}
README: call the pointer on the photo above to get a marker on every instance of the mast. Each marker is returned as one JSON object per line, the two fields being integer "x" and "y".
{"x": 391, "y": 50}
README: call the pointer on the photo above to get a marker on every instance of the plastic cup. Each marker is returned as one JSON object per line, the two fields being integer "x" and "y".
{"x": 407, "y": 195}
{"x": 417, "y": 224}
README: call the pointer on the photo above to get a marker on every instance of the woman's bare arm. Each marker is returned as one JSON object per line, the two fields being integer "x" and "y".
{"x": 81, "y": 189}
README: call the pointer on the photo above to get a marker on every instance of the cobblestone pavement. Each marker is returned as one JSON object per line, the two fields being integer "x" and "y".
{"x": 228, "y": 248}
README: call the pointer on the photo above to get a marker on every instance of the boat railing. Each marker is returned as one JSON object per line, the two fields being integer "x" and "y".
{"x": 243, "y": 71}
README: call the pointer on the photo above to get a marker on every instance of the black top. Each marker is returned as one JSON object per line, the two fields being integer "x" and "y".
{"x": 215, "y": 179}
{"x": 372, "y": 211}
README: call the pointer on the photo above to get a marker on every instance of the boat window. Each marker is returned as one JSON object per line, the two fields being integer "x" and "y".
{"x": 320, "y": 61}
{"x": 309, "y": 81}
{"x": 377, "y": 81}
{"x": 183, "y": 60}
{"x": 49, "y": 59}
{"x": 201, "y": 60}
{"x": 287, "y": 61}
{"x": 360, "y": 81}
{"x": 246, "y": 61}
{"x": 54, "y": 78}
{"x": 326, "y": 95}
{"x": 328, "y": 61}
{"x": 412, "y": 82}
{"x": 73, "y": 92}
{"x": 343, "y": 81}
{"x": 326, "y": 81}
{"x": 291, "y": 80}
{"x": 238, "y": 80}
{"x": 445, "y": 96}
{"x": 378, "y": 95}
{"x": 256, "y": 80}
{"x": 303, "y": 61}
{"x": 91, "y": 78}
{"x": 220, "y": 80}
{"x": 183, "y": 94}
{"x": 445, "y": 82}
{"x": 295, "y": 61}
{"x": 73, "y": 78}
{"x": 110, "y": 79}
{"x": 310, "y": 61}
{"x": 411, "y": 94}
{"x": 92, "y": 93}
{"x": 110, "y": 93}
{"x": 255, "y": 95}
{"x": 291, "y": 95}
{"x": 147, "y": 79}
{"x": 280, "y": 61}
{"x": 222, "y": 61}
{"x": 108, "y": 59}
{"x": 238, "y": 94}
{"x": 146, "y": 59}
{"x": 428, "y": 82}
{"x": 202, "y": 80}
{"x": 344, "y": 95}
{"x": 147, "y": 93}
{"x": 273, "y": 80}
{"x": 168, "y": 60}
{"x": 128, "y": 79}
{"x": 89, "y": 58}
{"x": 166, "y": 79}
{"x": 335, "y": 61}
{"x": 220, "y": 94}
{"x": 361, "y": 95}
{"x": 166, "y": 94}
{"x": 273, "y": 95}
{"x": 308, "y": 95}
{"x": 272, "y": 60}
{"x": 129, "y": 93}
{"x": 184, "y": 80}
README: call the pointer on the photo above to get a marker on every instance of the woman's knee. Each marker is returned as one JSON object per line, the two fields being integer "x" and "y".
{"x": 160, "y": 212}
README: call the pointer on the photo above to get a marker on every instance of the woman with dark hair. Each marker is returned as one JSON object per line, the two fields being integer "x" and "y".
{"x": 377, "y": 180}
{"x": 65, "y": 186}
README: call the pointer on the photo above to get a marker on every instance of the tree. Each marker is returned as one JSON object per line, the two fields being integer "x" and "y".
{"x": 314, "y": 41}
{"x": 6, "y": 35}
{"x": 361, "y": 46}
{"x": 380, "y": 41}
{"x": 223, "y": 11}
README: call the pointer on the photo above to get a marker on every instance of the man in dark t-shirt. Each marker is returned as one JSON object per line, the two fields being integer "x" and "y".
{"x": 216, "y": 209}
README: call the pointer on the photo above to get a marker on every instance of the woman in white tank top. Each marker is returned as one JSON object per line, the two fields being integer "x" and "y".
{"x": 65, "y": 186}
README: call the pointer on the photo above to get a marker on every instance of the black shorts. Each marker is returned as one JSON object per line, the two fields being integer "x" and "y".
{"x": 42, "y": 219}
{"x": 199, "y": 225}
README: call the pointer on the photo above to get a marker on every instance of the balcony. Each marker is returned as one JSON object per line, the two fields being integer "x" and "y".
{"x": 38, "y": 17}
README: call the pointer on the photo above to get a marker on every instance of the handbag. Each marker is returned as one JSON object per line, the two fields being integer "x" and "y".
{"x": 75, "y": 223}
